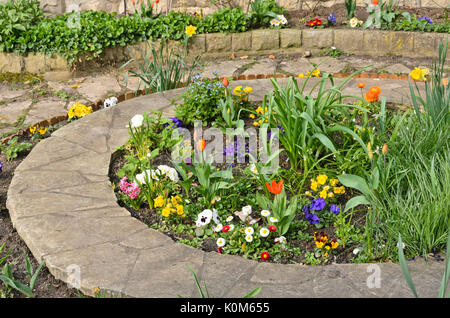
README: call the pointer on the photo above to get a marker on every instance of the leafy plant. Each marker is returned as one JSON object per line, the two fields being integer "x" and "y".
{"x": 14, "y": 148}
{"x": 350, "y": 6}
{"x": 201, "y": 101}
{"x": 8, "y": 278}
{"x": 443, "y": 293}
{"x": 162, "y": 69}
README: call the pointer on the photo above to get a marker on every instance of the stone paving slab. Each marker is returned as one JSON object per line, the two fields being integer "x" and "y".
{"x": 72, "y": 221}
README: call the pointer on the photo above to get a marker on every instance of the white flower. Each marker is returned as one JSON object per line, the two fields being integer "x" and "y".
{"x": 282, "y": 19}
{"x": 265, "y": 213}
{"x": 253, "y": 168}
{"x": 204, "y": 218}
{"x": 249, "y": 231}
{"x": 333, "y": 48}
{"x": 221, "y": 242}
{"x": 140, "y": 178}
{"x": 218, "y": 228}
{"x": 187, "y": 201}
{"x": 247, "y": 210}
{"x": 230, "y": 218}
{"x": 137, "y": 121}
{"x": 356, "y": 251}
{"x": 215, "y": 216}
{"x": 275, "y": 22}
{"x": 264, "y": 232}
{"x": 231, "y": 227}
{"x": 165, "y": 171}
{"x": 249, "y": 238}
{"x": 354, "y": 22}
{"x": 109, "y": 102}
{"x": 282, "y": 240}
{"x": 216, "y": 199}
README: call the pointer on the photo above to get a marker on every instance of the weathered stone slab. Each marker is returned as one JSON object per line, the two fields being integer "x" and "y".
{"x": 290, "y": 38}
{"x": 265, "y": 40}
{"x": 241, "y": 41}
{"x": 10, "y": 112}
{"x": 317, "y": 39}
{"x": 349, "y": 40}
{"x": 218, "y": 42}
{"x": 99, "y": 87}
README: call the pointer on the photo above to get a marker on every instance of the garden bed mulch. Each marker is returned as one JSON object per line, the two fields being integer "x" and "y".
{"x": 47, "y": 286}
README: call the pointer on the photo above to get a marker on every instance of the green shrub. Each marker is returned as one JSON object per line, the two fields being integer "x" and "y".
{"x": 201, "y": 101}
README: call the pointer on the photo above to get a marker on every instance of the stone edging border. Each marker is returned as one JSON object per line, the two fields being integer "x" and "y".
{"x": 129, "y": 95}
{"x": 62, "y": 205}
{"x": 271, "y": 41}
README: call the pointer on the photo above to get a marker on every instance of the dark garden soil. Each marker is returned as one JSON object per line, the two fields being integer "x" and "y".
{"x": 437, "y": 15}
{"x": 47, "y": 286}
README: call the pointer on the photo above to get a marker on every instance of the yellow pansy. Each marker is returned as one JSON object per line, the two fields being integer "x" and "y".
{"x": 330, "y": 194}
{"x": 166, "y": 212}
{"x": 314, "y": 185}
{"x": 334, "y": 182}
{"x": 248, "y": 90}
{"x": 323, "y": 194}
{"x": 301, "y": 75}
{"x": 252, "y": 116}
{"x": 180, "y": 209}
{"x": 319, "y": 244}
{"x": 316, "y": 73}
{"x": 159, "y": 202}
{"x": 339, "y": 190}
{"x": 321, "y": 179}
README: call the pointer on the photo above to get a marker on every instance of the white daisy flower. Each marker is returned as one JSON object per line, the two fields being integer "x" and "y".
{"x": 253, "y": 168}
{"x": 230, "y": 218}
{"x": 273, "y": 220}
{"x": 221, "y": 242}
{"x": 249, "y": 238}
{"x": 247, "y": 210}
{"x": 265, "y": 213}
{"x": 264, "y": 232}
{"x": 249, "y": 231}
{"x": 282, "y": 240}
{"x": 218, "y": 228}
{"x": 356, "y": 251}
{"x": 231, "y": 227}
{"x": 282, "y": 19}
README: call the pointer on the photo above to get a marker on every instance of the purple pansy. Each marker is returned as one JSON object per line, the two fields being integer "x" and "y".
{"x": 335, "y": 209}
{"x": 317, "y": 204}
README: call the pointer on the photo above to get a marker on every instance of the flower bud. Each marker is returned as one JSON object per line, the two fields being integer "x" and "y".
{"x": 385, "y": 149}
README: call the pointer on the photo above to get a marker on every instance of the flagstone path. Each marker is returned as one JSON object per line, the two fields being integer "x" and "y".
{"x": 62, "y": 205}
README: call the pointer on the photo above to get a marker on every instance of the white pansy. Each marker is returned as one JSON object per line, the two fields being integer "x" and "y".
{"x": 249, "y": 231}
{"x": 165, "y": 171}
{"x": 137, "y": 121}
{"x": 221, "y": 242}
{"x": 140, "y": 178}
{"x": 249, "y": 238}
{"x": 218, "y": 228}
{"x": 109, "y": 102}
{"x": 247, "y": 210}
{"x": 265, "y": 213}
{"x": 354, "y": 22}
{"x": 264, "y": 232}
{"x": 204, "y": 218}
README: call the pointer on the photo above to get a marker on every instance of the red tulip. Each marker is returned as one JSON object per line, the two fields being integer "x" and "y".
{"x": 275, "y": 188}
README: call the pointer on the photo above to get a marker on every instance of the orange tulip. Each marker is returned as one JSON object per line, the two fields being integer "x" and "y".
{"x": 385, "y": 149}
{"x": 156, "y": 1}
{"x": 275, "y": 188}
{"x": 225, "y": 82}
{"x": 445, "y": 81}
{"x": 371, "y": 97}
{"x": 361, "y": 85}
{"x": 375, "y": 90}
{"x": 201, "y": 145}
{"x": 375, "y": 2}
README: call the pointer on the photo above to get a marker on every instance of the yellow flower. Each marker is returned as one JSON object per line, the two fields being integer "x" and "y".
{"x": 255, "y": 123}
{"x": 33, "y": 129}
{"x": 43, "y": 130}
{"x": 319, "y": 244}
{"x": 326, "y": 254}
{"x": 96, "y": 290}
{"x": 166, "y": 212}
{"x": 159, "y": 202}
{"x": 316, "y": 73}
{"x": 334, "y": 244}
{"x": 323, "y": 194}
{"x": 326, "y": 188}
{"x": 339, "y": 190}
{"x": 330, "y": 194}
{"x": 248, "y": 90}
{"x": 252, "y": 116}
{"x": 301, "y": 75}
{"x": 419, "y": 74}
{"x": 334, "y": 182}
{"x": 190, "y": 30}
{"x": 180, "y": 209}
{"x": 308, "y": 193}
{"x": 259, "y": 110}
{"x": 238, "y": 90}
{"x": 314, "y": 185}
{"x": 327, "y": 247}
{"x": 321, "y": 179}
